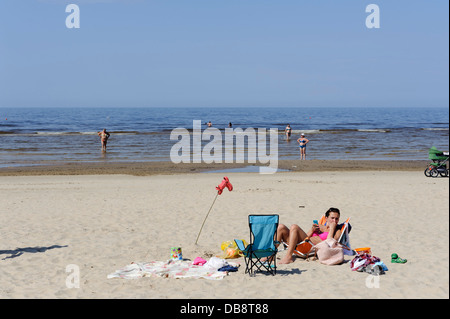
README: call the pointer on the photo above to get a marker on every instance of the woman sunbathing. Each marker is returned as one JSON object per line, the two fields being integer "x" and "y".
{"x": 317, "y": 233}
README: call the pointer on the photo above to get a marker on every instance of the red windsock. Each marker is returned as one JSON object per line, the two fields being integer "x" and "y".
{"x": 225, "y": 183}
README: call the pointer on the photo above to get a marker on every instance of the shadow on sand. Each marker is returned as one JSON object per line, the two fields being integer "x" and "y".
{"x": 20, "y": 251}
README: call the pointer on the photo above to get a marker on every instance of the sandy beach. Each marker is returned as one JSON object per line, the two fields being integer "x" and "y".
{"x": 102, "y": 218}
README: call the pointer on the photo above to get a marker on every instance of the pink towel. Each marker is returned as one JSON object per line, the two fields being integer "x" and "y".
{"x": 199, "y": 261}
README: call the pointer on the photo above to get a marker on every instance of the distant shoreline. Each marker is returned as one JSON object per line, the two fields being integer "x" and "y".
{"x": 169, "y": 168}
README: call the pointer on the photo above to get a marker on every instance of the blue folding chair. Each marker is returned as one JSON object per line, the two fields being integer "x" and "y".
{"x": 263, "y": 232}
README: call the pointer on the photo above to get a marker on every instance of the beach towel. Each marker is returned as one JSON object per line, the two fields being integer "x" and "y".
{"x": 169, "y": 269}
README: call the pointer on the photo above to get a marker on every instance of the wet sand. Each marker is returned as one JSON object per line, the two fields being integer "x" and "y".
{"x": 169, "y": 168}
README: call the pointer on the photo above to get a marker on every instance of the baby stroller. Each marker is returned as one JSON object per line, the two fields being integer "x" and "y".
{"x": 438, "y": 165}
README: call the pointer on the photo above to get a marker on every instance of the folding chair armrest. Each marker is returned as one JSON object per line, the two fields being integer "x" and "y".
{"x": 240, "y": 245}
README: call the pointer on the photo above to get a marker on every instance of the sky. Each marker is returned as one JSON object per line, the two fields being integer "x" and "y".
{"x": 224, "y": 53}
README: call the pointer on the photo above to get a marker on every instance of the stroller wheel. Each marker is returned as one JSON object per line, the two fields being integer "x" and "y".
{"x": 434, "y": 172}
{"x": 444, "y": 173}
{"x": 427, "y": 171}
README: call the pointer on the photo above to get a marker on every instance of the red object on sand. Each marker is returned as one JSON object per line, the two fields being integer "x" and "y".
{"x": 225, "y": 183}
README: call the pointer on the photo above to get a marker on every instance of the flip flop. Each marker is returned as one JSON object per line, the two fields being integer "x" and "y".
{"x": 396, "y": 259}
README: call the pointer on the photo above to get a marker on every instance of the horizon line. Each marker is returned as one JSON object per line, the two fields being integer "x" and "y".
{"x": 233, "y": 106}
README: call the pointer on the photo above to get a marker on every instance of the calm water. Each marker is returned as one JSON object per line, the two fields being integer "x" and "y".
{"x": 48, "y": 135}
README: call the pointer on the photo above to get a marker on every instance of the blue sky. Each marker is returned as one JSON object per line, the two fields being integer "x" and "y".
{"x": 224, "y": 53}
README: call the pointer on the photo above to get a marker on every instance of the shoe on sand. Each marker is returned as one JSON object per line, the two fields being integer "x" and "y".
{"x": 396, "y": 259}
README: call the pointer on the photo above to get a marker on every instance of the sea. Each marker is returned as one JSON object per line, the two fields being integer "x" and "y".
{"x": 46, "y": 136}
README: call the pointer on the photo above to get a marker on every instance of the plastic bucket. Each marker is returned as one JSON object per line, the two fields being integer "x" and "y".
{"x": 175, "y": 253}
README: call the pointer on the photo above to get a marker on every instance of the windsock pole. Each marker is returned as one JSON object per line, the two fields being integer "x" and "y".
{"x": 217, "y": 194}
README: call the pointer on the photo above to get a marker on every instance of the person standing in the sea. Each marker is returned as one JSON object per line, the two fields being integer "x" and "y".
{"x": 288, "y": 131}
{"x": 302, "y": 141}
{"x": 104, "y": 138}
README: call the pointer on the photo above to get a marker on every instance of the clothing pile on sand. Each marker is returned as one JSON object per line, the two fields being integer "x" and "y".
{"x": 214, "y": 269}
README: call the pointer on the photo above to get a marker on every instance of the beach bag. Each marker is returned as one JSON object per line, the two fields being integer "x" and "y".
{"x": 330, "y": 252}
{"x": 230, "y": 249}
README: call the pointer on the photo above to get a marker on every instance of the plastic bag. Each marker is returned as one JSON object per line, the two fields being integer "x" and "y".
{"x": 231, "y": 250}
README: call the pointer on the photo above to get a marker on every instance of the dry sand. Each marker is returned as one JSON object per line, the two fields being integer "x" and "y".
{"x": 100, "y": 223}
